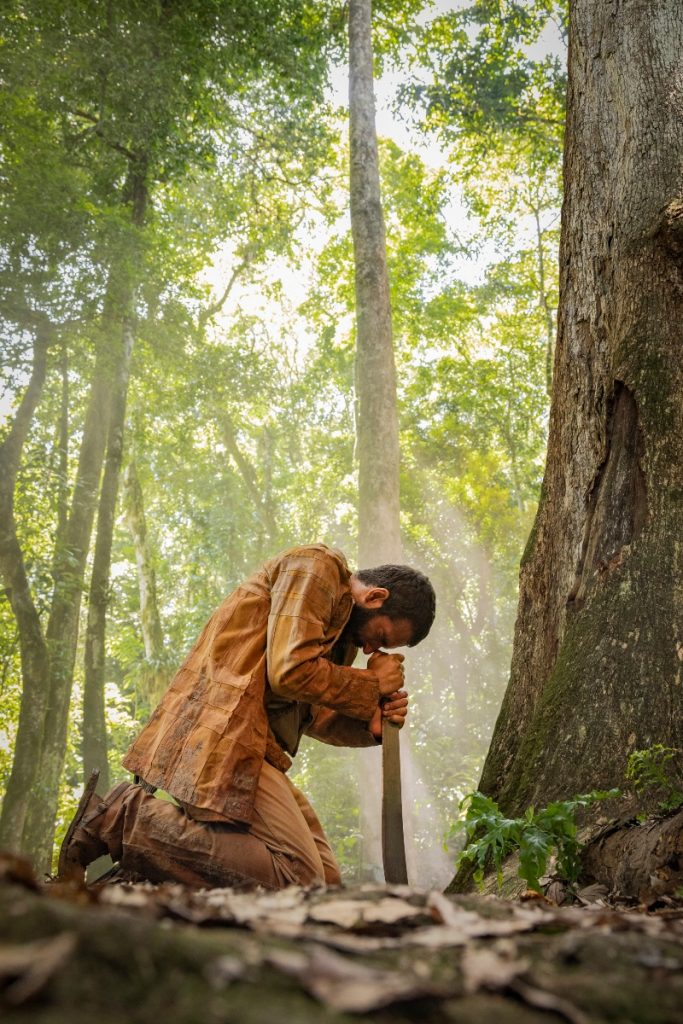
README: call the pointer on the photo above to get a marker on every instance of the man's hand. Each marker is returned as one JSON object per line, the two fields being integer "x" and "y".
{"x": 394, "y": 707}
{"x": 389, "y": 670}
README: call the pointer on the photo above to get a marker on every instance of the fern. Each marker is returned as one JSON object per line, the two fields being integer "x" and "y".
{"x": 646, "y": 769}
{"x": 491, "y": 837}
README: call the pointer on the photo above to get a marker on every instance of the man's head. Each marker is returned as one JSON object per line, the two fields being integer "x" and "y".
{"x": 394, "y": 606}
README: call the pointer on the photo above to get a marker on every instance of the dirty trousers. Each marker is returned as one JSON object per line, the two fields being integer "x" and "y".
{"x": 284, "y": 844}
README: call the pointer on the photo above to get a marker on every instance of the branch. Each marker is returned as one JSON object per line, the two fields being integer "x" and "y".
{"x": 11, "y": 558}
{"x": 217, "y": 306}
{"x": 98, "y": 129}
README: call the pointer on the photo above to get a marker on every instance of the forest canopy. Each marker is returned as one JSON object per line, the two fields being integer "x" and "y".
{"x": 178, "y": 389}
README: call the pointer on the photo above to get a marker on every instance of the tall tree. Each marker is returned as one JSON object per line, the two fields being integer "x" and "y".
{"x": 379, "y": 535}
{"x": 379, "y": 527}
{"x": 596, "y": 669}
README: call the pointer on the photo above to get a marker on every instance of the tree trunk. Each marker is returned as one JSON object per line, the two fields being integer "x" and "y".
{"x": 597, "y": 668}
{"x": 640, "y": 860}
{"x": 157, "y": 675}
{"x": 34, "y": 654}
{"x": 94, "y": 724}
{"x": 379, "y": 531}
{"x": 62, "y": 629}
{"x": 377, "y": 427}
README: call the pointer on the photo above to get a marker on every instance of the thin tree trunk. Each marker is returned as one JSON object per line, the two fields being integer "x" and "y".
{"x": 94, "y": 724}
{"x": 34, "y": 654}
{"x": 260, "y": 496}
{"x": 62, "y": 629}
{"x": 70, "y": 561}
{"x": 379, "y": 530}
{"x": 157, "y": 675}
{"x": 597, "y": 665}
{"x": 378, "y": 449}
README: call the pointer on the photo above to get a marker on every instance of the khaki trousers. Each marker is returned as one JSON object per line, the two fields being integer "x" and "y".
{"x": 284, "y": 844}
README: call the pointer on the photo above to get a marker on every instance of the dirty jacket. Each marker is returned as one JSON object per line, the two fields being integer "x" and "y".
{"x": 264, "y": 670}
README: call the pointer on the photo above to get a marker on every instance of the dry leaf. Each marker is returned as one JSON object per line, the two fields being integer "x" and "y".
{"x": 357, "y": 913}
{"x": 542, "y": 1000}
{"x": 468, "y": 925}
{"x": 32, "y": 965}
{"x": 486, "y": 967}
{"x": 350, "y": 987}
{"x": 17, "y": 869}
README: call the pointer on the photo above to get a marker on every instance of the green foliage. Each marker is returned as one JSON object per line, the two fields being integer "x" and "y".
{"x": 491, "y": 837}
{"x": 242, "y": 404}
{"x": 646, "y": 769}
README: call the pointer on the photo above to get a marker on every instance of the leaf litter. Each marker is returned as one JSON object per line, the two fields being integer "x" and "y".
{"x": 360, "y": 950}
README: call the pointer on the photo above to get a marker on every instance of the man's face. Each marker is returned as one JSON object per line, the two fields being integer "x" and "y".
{"x": 371, "y": 630}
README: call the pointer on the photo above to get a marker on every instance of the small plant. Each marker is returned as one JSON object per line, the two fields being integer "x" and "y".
{"x": 646, "y": 769}
{"x": 491, "y": 837}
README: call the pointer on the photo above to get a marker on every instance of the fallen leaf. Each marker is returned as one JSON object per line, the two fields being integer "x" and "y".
{"x": 17, "y": 869}
{"x": 356, "y": 914}
{"x": 350, "y": 987}
{"x": 32, "y": 965}
{"x": 488, "y": 968}
{"x": 542, "y": 1000}
{"x": 468, "y": 924}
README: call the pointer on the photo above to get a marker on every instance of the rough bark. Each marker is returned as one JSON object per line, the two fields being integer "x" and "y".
{"x": 33, "y": 649}
{"x": 377, "y": 418}
{"x": 597, "y": 666}
{"x": 544, "y": 305}
{"x": 157, "y": 675}
{"x": 640, "y": 860}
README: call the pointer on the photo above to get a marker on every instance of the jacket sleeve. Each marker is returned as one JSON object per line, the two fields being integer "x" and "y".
{"x": 309, "y": 599}
{"x": 340, "y": 730}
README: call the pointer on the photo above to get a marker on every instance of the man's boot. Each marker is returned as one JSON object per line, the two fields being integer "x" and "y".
{"x": 83, "y": 843}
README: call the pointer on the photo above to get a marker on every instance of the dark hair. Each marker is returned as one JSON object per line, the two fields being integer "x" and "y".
{"x": 411, "y": 596}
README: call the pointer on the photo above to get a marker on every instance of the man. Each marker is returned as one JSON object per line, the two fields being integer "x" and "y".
{"x": 272, "y": 663}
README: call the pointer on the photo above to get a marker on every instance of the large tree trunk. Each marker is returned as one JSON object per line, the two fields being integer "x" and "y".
{"x": 377, "y": 431}
{"x": 34, "y": 654}
{"x": 597, "y": 668}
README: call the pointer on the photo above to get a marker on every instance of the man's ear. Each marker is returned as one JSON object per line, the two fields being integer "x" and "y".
{"x": 375, "y": 597}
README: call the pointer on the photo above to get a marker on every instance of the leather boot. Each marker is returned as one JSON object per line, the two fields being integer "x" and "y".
{"x": 82, "y": 843}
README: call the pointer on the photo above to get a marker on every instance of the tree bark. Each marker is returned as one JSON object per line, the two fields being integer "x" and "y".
{"x": 640, "y": 860}
{"x": 597, "y": 667}
{"x": 34, "y": 653}
{"x": 377, "y": 417}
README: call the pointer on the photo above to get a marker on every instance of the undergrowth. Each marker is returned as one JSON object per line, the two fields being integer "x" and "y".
{"x": 537, "y": 836}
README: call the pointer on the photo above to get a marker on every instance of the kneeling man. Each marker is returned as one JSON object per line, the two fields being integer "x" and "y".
{"x": 272, "y": 663}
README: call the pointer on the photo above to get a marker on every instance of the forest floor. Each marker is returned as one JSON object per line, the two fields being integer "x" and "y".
{"x": 141, "y": 953}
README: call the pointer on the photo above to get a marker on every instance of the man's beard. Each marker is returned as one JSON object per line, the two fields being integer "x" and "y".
{"x": 358, "y": 618}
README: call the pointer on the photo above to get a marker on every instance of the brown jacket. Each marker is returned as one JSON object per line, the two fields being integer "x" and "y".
{"x": 262, "y": 672}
